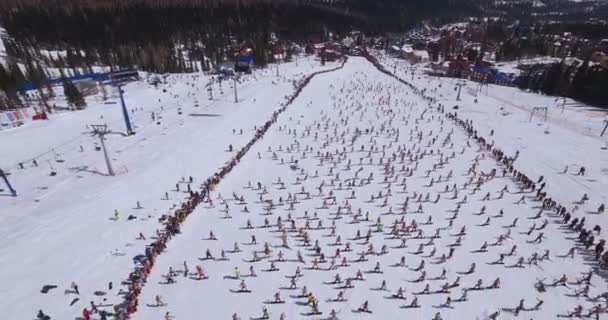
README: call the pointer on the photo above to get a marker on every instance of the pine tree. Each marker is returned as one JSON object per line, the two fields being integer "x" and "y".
{"x": 35, "y": 74}
{"x": 10, "y": 78}
{"x": 579, "y": 82}
{"x": 73, "y": 95}
{"x": 551, "y": 78}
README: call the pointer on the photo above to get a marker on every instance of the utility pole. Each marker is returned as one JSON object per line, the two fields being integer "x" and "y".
{"x": 8, "y": 184}
{"x": 278, "y": 57}
{"x": 101, "y": 130}
{"x": 563, "y": 103}
{"x": 605, "y": 127}
{"x": 236, "y": 94}
{"x": 125, "y": 113}
{"x": 210, "y": 89}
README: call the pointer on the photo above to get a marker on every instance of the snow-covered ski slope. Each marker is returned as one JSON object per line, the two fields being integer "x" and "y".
{"x": 569, "y": 138}
{"x": 336, "y": 115}
{"x": 351, "y": 150}
{"x": 58, "y": 229}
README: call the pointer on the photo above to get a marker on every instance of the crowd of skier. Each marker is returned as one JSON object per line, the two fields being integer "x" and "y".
{"x": 138, "y": 277}
{"x": 172, "y": 223}
{"x": 586, "y": 236}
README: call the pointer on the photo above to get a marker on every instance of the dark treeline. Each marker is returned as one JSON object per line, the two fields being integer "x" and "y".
{"x": 581, "y": 81}
{"x": 152, "y": 38}
{"x": 554, "y": 10}
{"x": 578, "y": 74}
{"x": 580, "y": 29}
{"x": 182, "y": 35}
{"x": 113, "y": 32}
{"x": 122, "y": 23}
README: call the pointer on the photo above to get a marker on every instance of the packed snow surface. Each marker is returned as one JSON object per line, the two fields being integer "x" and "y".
{"x": 358, "y": 161}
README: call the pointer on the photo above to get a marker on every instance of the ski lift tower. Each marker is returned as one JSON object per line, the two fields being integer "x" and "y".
{"x": 118, "y": 84}
{"x": 100, "y": 130}
{"x": 563, "y": 106}
{"x": 8, "y": 184}
{"x": 460, "y": 84}
{"x": 605, "y": 126}
{"x": 209, "y": 86}
{"x": 236, "y": 78}
{"x": 545, "y": 110}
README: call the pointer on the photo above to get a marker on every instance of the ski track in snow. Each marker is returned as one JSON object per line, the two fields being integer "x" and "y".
{"x": 63, "y": 234}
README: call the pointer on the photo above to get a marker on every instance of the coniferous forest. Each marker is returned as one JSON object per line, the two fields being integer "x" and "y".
{"x": 194, "y": 35}
{"x": 147, "y": 33}
{"x": 180, "y": 35}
